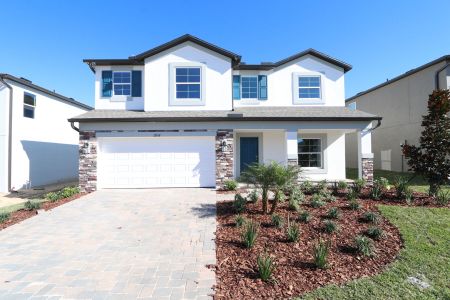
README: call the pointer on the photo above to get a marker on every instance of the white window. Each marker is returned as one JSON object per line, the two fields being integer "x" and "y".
{"x": 307, "y": 88}
{"x": 188, "y": 82}
{"x": 29, "y": 105}
{"x": 310, "y": 153}
{"x": 249, "y": 87}
{"x": 122, "y": 83}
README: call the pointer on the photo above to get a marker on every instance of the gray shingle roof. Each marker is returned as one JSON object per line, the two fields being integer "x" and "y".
{"x": 312, "y": 113}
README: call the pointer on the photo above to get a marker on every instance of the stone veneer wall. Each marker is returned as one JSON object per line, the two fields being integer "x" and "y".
{"x": 367, "y": 169}
{"x": 88, "y": 161}
{"x": 224, "y": 159}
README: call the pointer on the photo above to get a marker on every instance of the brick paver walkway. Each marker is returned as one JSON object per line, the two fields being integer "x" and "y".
{"x": 114, "y": 244}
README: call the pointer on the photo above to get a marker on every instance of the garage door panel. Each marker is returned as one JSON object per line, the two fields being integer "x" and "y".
{"x": 156, "y": 162}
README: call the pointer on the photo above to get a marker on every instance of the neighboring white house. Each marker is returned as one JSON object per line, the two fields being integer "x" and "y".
{"x": 190, "y": 114}
{"x": 401, "y": 101}
{"x": 37, "y": 145}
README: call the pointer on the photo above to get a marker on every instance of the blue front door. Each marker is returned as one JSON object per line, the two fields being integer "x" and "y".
{"x": 249, "y": 151}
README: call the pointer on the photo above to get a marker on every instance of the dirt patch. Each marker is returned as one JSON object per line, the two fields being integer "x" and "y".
{"x": 22, "y": 214}
{"x": 295, "y": 273}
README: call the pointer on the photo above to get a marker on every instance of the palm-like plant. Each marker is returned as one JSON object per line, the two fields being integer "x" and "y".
{"x": 269, "y": 177}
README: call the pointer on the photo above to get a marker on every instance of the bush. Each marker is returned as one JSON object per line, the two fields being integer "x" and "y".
{"x": 375, "y": 233}
{"x": 401, "y": 185}
{"x": 333, "y": 213}
{"x": 32, "y": 205}
{"x": 4, "y": 216}
{"x": 253, "y": 196}
{"x": 64, "y": 193}
{"x": 304, "y": 216}
{"x": 294, "y": 204}
{"x": 354, "y": 204}
{"x": 239, "y": 203}
{"x": 52, "y": 196}
{"x": 358, "y": 185}
{"x": 250, "y": 233}
{"x": 443, "y": 197}
{"x": 409, "y": 196}
{"x": 322, "y": 186}
{"x": 297, "y": 195}
{"x": 329, "y": 226}
{"x": 292, "y": 232}
{"x": 342, "y": 185}
{"x": 320, "y": 254}
{"x": 230, "y": 185}
{"x": 266, "y": 266}
{"x": 317, "y": 201}
{"x": 240, "y": 220}
{"x": 277, "y": 221}
{"x": 377, "y": 190}
{"x": 371, "y": 217}
{"x": 327, "y": 195}
{"x": 364, "y": 246}
{"x": 352, "y": 195}
{"x": 307, "y": 187}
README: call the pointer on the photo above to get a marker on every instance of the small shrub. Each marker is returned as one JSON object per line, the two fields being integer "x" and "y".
{"x": 297, "y": 195}
{"x": 280, "y": 196}
{"x": 358, "y": 185}
{"x": 401, "y": 185}
{"x": 307, "y": 187}
{"x": 68, "y": 192}
{"x": 277, "y": 221}
{"x": 253, "y": 196}
{"x": 342, "y": 185}
{"x": 354, "y": 204}
{"x": 294, "y": 204}
{"x": 250, "y": 233}
{"x": 371, "y": 217}
{"x": 329, "y": 226}
{"x": 320, "y": 254}
{"x": 304, "y": 216}
{"x": 292, "y": 232}
{"x": 32, "y": 205}
{"x": 322, "y": 186}
{"x": 266, "y": 266}
{"x": 230, "y": 185}
{"x": 383, "y": 183}
{"x": 352, "y": 195}
{"x": 364, "y": 246}
{"x": 377, "y": 189}
{"x": 239, "y": 203}
{"x": 333, "y": 213}
{"x": 317, "y": 201}
{"x": 52, "y": 196}
{"x": 375, "y": 233}
{"x": 409, "y": 196}
{"x": 240, "y": 220}
{"x": 4, "y": 216}
{"x": 443, "y": 197}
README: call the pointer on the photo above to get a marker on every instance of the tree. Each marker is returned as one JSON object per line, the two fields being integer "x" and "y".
{"x": 269, "y": 177}
{"x": 431, "y": 159}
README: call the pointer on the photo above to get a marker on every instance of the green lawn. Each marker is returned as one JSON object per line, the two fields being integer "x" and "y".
{"x": 417, "y": 183}
{"x": 426, "y": 255}
{"x": 14, "y": 207}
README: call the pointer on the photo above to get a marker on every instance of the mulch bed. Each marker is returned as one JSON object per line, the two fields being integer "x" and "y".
{"x": 22, "y": 214}
{"x": 295, "y": 274}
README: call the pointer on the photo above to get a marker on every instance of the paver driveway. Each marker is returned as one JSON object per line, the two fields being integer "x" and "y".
{"x": 114, "y": 244}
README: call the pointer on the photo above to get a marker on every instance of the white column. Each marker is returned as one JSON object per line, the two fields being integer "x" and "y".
{"x": 364, "y": 138}
{"x": 292, "y": 147}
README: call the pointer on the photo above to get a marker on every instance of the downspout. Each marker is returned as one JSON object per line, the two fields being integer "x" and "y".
{"x": 436, "y": 76}
{"x": 378, "y": 125}
{"x": 2, "y": 80}
{"x": 74, "y": 127}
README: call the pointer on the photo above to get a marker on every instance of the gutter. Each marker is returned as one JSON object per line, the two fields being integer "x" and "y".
{"x": 74, "y": 127}
{"x": 436, "y": 76}
{"x": 378, "y": 125}
{"x": 2, "y": 80}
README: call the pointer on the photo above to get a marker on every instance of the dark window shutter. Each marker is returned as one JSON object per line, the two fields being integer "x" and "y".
{"x": 262, "y": 86}
{"x": 136, "y": 83}
{"x": 236, "y": 87}
{"x": 106, "y": 83}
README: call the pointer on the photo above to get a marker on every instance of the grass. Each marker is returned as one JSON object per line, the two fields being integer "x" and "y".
{"x": 18, "y": 206}
{"x": 418, "y": 184}
{"x": 426, "y": 255}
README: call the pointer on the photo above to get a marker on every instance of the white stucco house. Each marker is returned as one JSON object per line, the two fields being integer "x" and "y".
{"x": 401, "y": 101}
{"x": 37, "y": 145}
{"x": 191, "y": 114}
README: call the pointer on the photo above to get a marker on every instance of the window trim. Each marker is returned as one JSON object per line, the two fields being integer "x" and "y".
{"x": 296, "y": 88}
{"x": 173, "y": 100}
{"x": 29, "y": 106}
{"x": 113, "y": 84}
{"x": 323, "y": 148}
{"x": 257, "y": 88}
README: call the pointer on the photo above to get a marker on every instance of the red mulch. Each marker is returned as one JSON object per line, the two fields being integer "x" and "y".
{"x": 22, "y": 214}
{"x": 295, "y": 274}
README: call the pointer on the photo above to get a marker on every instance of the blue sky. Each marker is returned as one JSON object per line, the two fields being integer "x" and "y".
{"x": 45, "y": 41}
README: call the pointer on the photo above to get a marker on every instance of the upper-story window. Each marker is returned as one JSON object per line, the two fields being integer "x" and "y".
{"x": 249, "y": 87}
{"x": 29, "y": 105}
{"x": 307, "y": 89}
{"x": 122, "y": 83}
{"x": 188, "y": 83}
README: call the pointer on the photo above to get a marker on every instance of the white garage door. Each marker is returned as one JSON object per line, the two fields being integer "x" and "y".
{"x": 146, "y": 162}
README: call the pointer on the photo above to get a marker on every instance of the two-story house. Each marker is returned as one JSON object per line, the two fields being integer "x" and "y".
{"x": 190, "y": 114}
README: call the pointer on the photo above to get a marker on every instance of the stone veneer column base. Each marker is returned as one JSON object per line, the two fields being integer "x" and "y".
{"x": 224, "y": 157}
{"x": 87, "y": 161}
{"x": 367, "y": 170}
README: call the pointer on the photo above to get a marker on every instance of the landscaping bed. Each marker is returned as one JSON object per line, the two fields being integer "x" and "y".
{"x": 295, "y": 273}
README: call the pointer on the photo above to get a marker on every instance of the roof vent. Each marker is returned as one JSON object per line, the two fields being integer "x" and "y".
{"x": 26, "y": 79}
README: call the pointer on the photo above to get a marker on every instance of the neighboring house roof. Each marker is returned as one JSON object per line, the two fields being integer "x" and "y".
{"x": 410, "y": 72}
{"x": 324, "y": 113}
{"x": 236, "y": 59}
{"x": 313, "y": 52}
{"x": 29, "y": 84}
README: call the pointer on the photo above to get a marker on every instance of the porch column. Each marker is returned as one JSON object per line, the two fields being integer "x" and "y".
{"x": 365, "y": 155}
{"x": 292, "y": 148}
{"x": 87, "y": 170}
{"x": 224, "y": 156}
